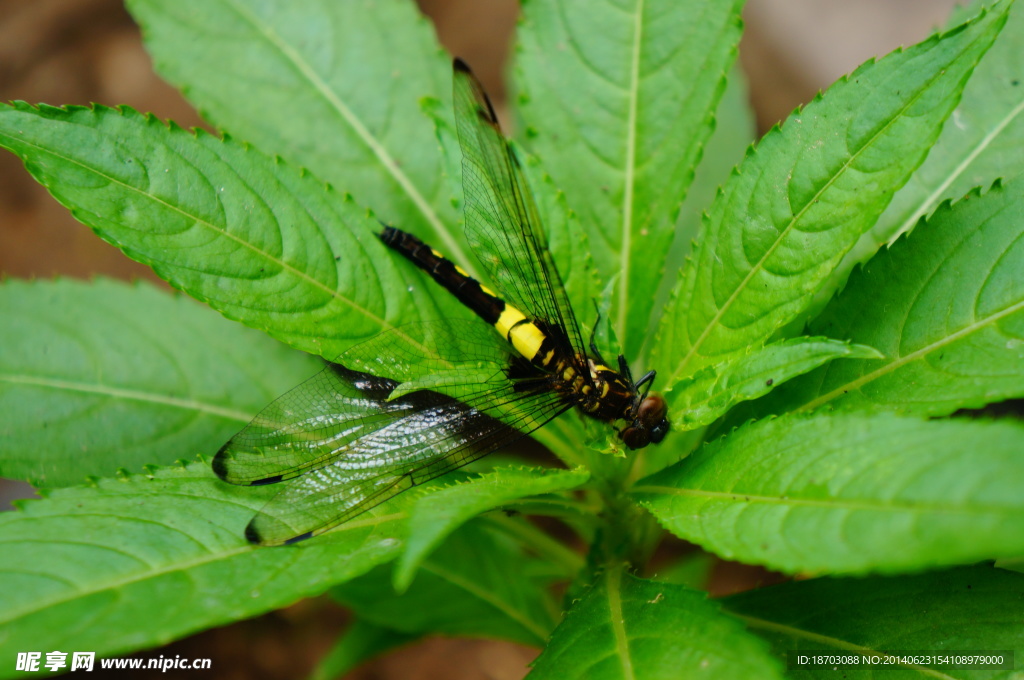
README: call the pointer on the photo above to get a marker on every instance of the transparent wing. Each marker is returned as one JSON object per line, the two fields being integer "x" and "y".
{"x": 502, "y": 222}
{"x": 349, "y": 439}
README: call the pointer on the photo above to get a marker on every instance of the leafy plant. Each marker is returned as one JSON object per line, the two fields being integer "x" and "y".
{"x": 832, "y": 452}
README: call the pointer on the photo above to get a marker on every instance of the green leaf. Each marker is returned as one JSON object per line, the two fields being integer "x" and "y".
{"x": 626, "y": 627}
{"x": 360, "y": 642}
{"x": 135, "y": 563}
{"x": 333, "y": 87}
{"x": 100, "y": 376}
{"x": 971, "y": 608}
{"x": 705, "y": 396}
{"x": 802, "y": 198}
{"x": 263, "y": 243}
{"x": 983, "y": 140}
{"x": 436, "y": 515}
{"x": 944, "y": 304}
{"x": 478, "y": 583}
{"x": 620, "y": 122}
{"x": 1012, "y": 564}
{"x": 849, "y": 493}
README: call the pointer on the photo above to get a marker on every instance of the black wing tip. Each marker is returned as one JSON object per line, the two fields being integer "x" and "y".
{"x": 220, "y": 468}
{"x": 486, "y": 111}
{"x": 219, "y": 464}
{"x": 266, "y": 480}
{"x": 300, "y": 537}
{"x": 252, "y": 534}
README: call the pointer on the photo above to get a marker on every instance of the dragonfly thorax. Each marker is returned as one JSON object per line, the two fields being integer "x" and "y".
{"x": 607, "y": 395}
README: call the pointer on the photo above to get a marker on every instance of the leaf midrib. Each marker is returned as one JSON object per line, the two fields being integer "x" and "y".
{"x": 127, "y": 394}
{"x": 613, "y": 583}
{"x": 184, "y": 566}
{"x": 831, "y": 504}
{"x": 200, "y": 221}
{"x": 215, "y": 228}
{"x": 625, "y": 254}
{"x": 968, "y": 158}
{"x": 518, "y": 615}
{"x": 792, "y": 631}
{"x": 902, "y": 361}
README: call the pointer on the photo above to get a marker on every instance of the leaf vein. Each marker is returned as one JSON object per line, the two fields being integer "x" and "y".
{"x": 129, "y": 394}
{"x": 490, "y": 598}
{"x": 961, "y": 167}
{"x": 902, "y": 361}
{"x": 792, "y": 631}
{"x": 830, "y": 503}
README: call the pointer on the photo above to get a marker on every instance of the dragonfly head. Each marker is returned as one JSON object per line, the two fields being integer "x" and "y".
{"x": 650, "y": 424}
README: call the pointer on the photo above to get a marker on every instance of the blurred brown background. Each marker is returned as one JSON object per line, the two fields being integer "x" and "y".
{"x": 81, "y": 51}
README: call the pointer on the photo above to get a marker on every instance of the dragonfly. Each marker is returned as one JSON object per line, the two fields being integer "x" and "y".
{"x": 384, "y": 416}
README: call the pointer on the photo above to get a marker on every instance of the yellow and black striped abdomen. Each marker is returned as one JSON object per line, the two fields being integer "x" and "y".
{"x": 526, "y": 337}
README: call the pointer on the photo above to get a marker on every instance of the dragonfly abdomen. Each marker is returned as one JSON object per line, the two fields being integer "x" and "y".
{"x": 526, "y": 337}
{"x": 453, "y": 278}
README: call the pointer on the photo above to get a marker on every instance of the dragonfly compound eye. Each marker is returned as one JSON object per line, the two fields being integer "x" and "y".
{"x": 651, "y": 417}
{"x": 635, "y": 437}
